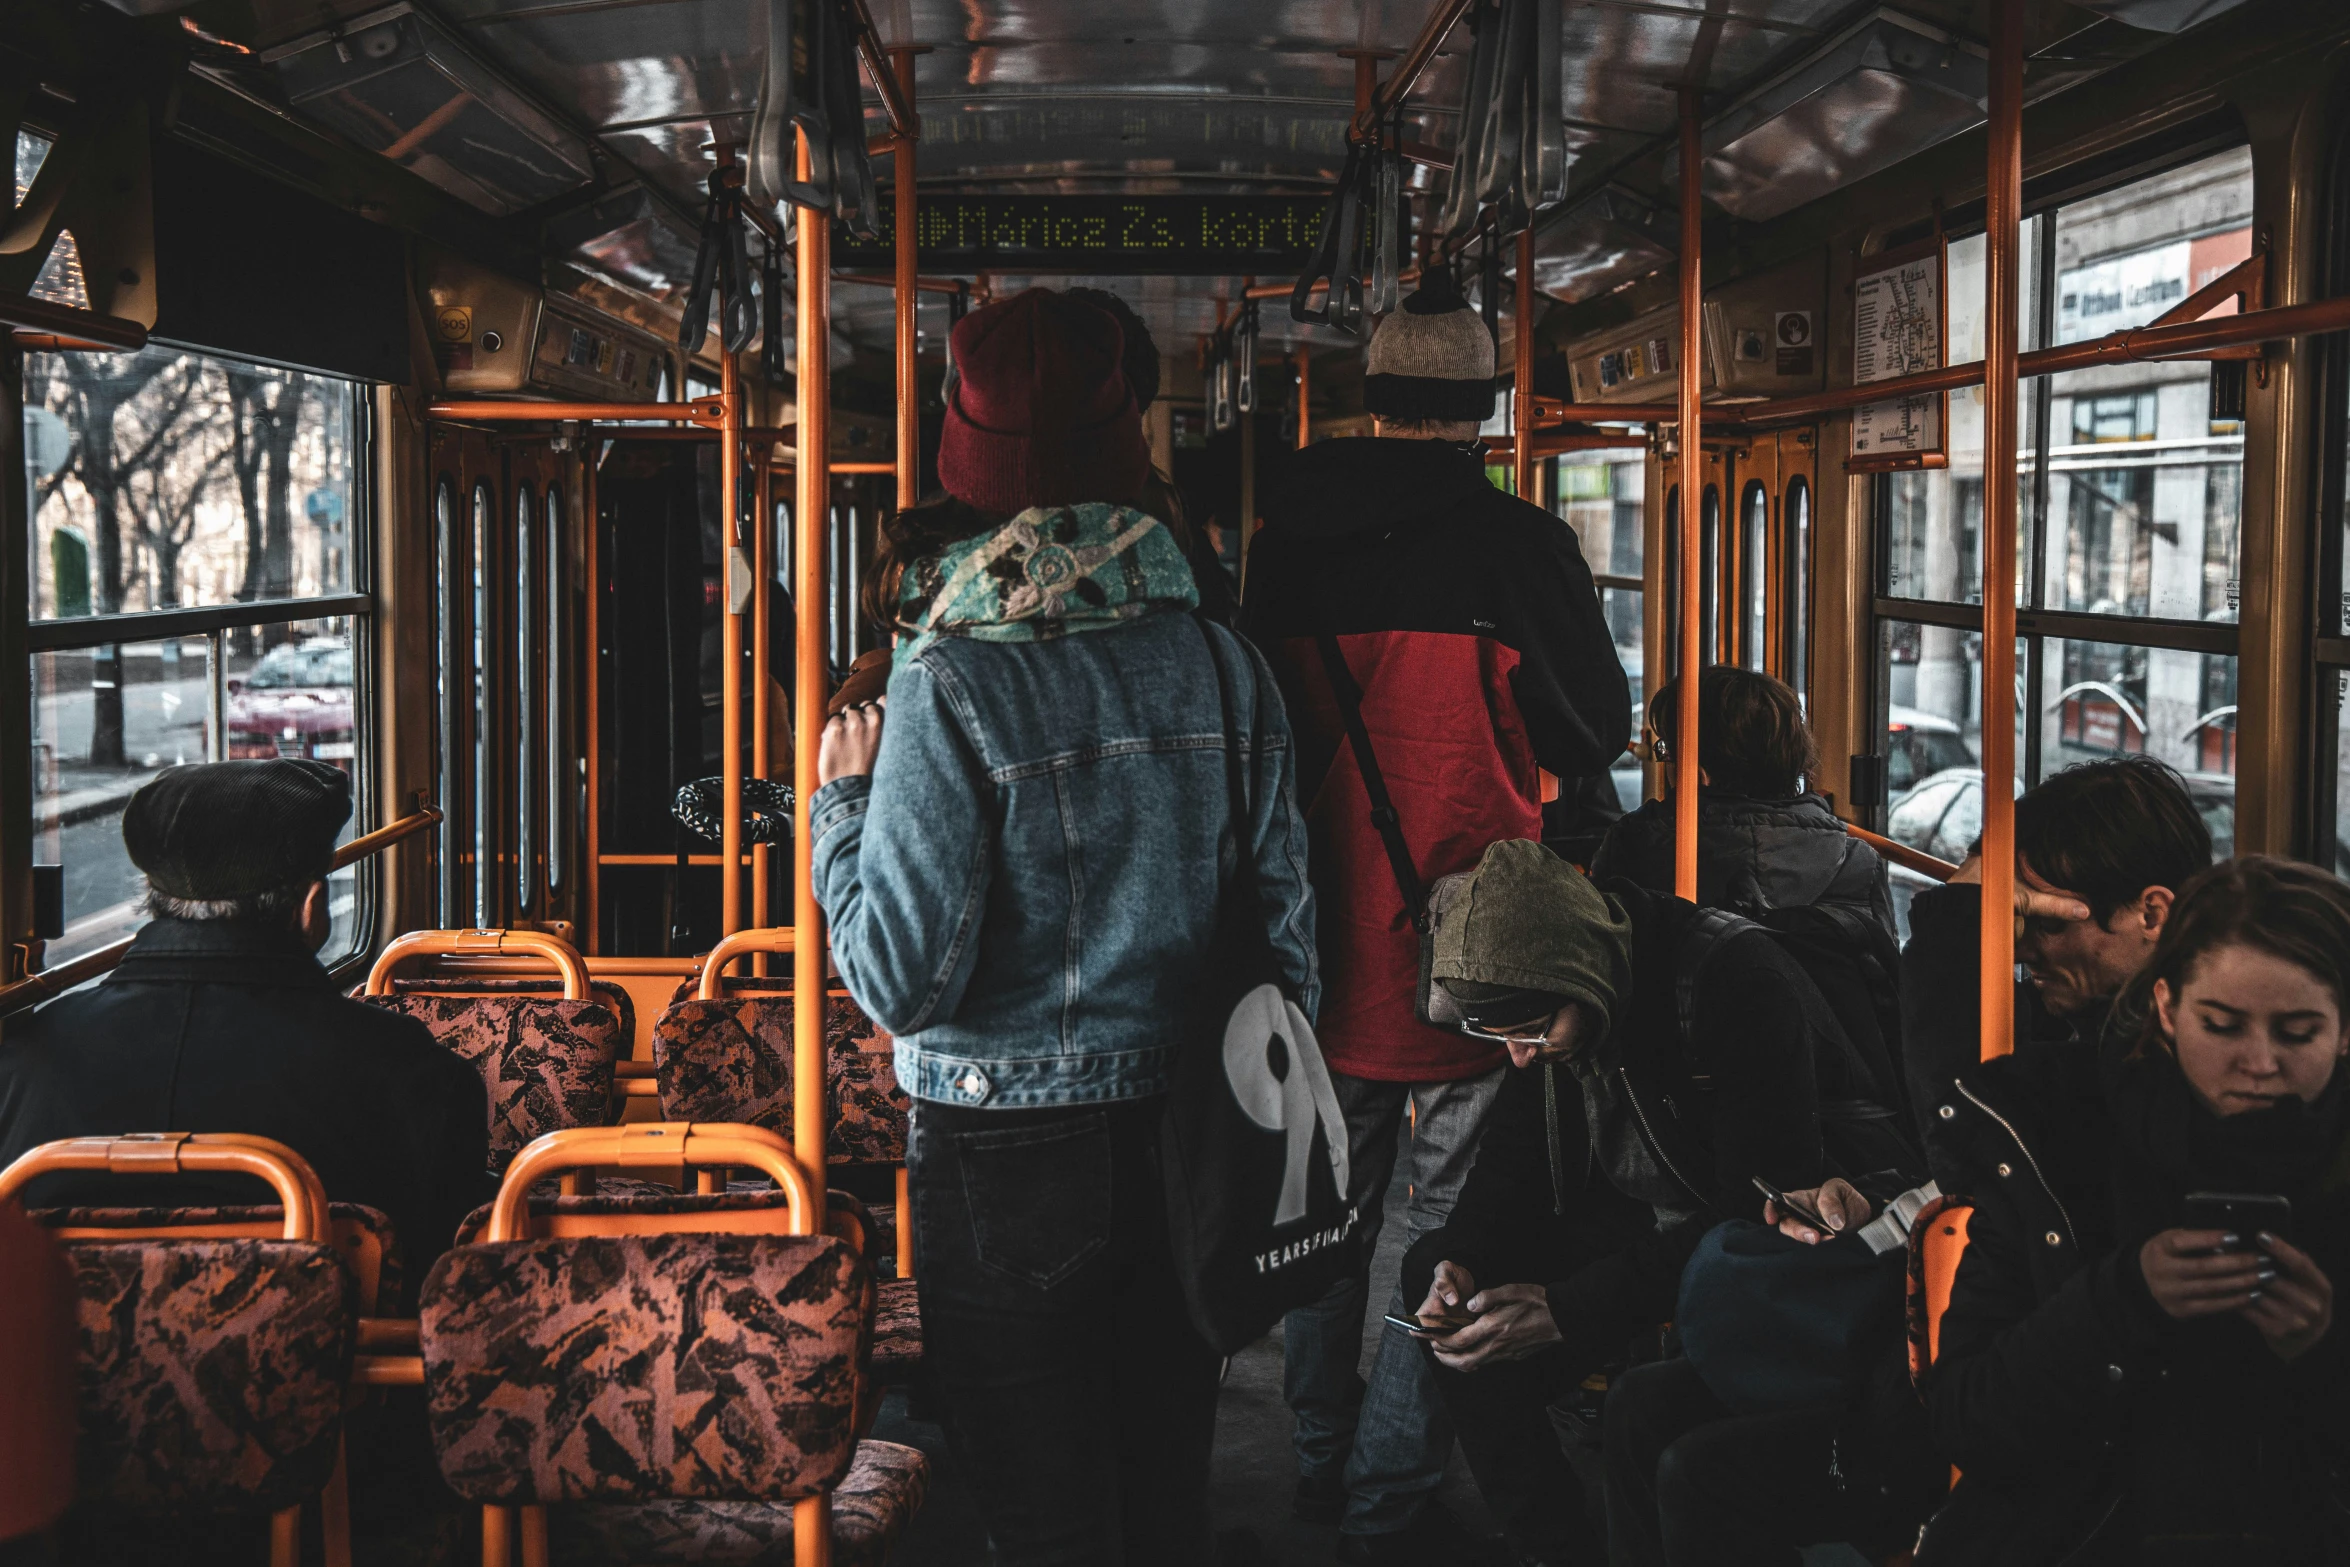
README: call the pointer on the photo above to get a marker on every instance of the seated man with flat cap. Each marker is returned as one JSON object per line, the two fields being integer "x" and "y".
{"x": 221, "y": 1019}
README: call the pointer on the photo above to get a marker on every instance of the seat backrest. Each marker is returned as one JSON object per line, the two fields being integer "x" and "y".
{"x": 210, "y": 1371}
{"x": 610, "y": 992}
{"x": 629, "y": 1368}
{"x": 548, "y": 1063}
{"x": 636, "y": 1367}
{"x": 360, "y": 1235}
{"x": 730, "y": 1059}
{"x": 1937, "y": 1240}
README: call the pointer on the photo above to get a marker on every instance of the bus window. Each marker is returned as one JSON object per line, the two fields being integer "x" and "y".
{"x": 481, "y": 884}
{"x": 1754, "y": 575}
{"x": 525, "y": 679}
{"x": 221, "y": 502}
{"x": 557, "y": 555}
{"x": 1795, "y": 652}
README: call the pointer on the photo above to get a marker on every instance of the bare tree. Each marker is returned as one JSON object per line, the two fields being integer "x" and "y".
{"x": 269, "y": 409}
{"x": 91, "y": 392}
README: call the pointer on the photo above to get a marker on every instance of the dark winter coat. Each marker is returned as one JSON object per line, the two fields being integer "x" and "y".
{"x": 2089, "y": 1425}
{"x": 1672, "y": 1131}
{"x": 216, "y": 1027}
{"x": 1753, "y": 856}
{"x": 1470, "y": 621}
{"x": 1941, "y": 1019}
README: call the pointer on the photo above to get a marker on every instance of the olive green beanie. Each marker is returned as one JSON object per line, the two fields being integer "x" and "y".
{"x": 1527, "y": 920}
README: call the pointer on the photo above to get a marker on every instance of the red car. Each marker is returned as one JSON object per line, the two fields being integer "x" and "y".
{"x": 295, "y": 702}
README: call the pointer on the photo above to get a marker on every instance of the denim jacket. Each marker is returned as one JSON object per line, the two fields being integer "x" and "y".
{"x": 1025, "y": 888}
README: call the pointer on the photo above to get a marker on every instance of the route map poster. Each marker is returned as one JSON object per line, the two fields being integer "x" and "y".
{"x": 1901, "y": 322}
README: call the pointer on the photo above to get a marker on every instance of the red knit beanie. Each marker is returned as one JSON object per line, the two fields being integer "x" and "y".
{"x": 1041, "y": 414}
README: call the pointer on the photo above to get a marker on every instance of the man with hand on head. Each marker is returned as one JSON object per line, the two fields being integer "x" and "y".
{"x": 221, "y": 1019}
{"x": 1615, "y": 1142}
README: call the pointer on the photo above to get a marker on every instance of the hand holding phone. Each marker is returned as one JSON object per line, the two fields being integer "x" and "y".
{"x": 2244, "y": 1215}
{"x": 1791, "y": 1209}
{"x": 1428, "y": 1324}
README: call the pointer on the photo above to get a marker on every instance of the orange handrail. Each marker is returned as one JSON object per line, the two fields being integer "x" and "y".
{"x": 384, "y": 837}
{"x": 700, "y": 410}
{"x": 299, "y": 1190}
{"x": 1902, "y": 854}
{"x": 482, "y": 943}
{"x": 657, "y": 1144}
{"x": 742, "y": 943}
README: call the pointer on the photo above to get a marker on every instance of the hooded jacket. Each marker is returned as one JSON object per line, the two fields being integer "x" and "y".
{"x": 1753, "y": 856}
{"x": 1470, "y": 621}
{"x": 1676, "y": 1128}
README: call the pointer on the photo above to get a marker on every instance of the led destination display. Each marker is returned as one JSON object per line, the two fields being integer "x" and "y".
{"x": 1196, "y": 235}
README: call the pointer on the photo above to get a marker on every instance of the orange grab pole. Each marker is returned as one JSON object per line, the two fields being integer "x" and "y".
{"x": 2001, "y": 317}
{"x": 1685, "y": 744}
{"x": 812, "y": 494}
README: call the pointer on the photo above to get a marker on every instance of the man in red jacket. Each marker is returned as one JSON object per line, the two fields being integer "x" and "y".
{"x": 1469, "y": 623}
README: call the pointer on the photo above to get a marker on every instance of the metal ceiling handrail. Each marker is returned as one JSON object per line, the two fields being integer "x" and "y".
{"x": 903, "y": 121}
{"x": 1407, "y": 70}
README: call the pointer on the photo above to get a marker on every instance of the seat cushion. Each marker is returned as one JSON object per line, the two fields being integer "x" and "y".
{"x": 897, "y": 1330}
{"x": 731, "y": 1060}
{"x": 635, "y": 1367}
{"x": 212, "y": 1371}
{"x": 884, "y": 1487}
{"x": 548, "y": 1064}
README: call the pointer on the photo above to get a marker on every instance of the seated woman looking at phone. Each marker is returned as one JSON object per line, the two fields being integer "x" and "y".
{"x": 2180, "y": 1397}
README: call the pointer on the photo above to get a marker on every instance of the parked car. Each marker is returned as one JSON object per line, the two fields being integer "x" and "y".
{"x": 295, "y": 702}
{"x": 1918, "y": 745}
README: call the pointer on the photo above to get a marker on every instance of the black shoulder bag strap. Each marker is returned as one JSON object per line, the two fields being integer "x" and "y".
{"x": 1383, "y": 817}
{"x": 1235, "y": 777}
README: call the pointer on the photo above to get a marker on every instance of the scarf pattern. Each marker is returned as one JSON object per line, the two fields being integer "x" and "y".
{"x": 1052, "y": 571}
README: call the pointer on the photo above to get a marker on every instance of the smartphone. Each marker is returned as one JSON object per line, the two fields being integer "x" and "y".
{"x": 1427, "y": 1326}
{"x": 1789, "y": 1208}
{"x": 2244, "y": 1215}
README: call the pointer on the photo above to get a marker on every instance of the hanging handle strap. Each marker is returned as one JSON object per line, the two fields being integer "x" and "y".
{"x": 1383, "y": 817}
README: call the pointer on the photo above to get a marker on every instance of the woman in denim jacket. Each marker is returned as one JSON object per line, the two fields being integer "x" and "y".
{"x": 1021, "y": 875}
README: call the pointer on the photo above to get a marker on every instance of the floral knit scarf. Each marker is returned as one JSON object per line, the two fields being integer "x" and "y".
{"x": 1052, "y": 571}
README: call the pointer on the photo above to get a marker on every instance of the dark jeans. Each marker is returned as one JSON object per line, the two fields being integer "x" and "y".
{"x": 1079, "y": 1402}
{"x": 1691, "y": 1485}
{"x": 1501, "y": 1410}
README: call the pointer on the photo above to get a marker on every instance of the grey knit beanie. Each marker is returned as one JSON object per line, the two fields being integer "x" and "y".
{"x": 1433, "y": 359}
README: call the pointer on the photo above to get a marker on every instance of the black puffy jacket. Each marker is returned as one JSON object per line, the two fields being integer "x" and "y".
{"x": 1753, "y": 856}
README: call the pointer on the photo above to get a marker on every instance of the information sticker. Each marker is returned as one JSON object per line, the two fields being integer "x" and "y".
{"x": 1901, "y": 326}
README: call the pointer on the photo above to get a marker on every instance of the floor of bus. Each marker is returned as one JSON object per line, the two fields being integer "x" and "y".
{"x": 1255, "y": 1471}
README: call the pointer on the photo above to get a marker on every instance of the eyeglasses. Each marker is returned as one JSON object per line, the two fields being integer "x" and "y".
{"x": 1535, "y": 1033}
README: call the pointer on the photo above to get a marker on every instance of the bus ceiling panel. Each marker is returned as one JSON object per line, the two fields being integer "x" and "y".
{"x": 611, "y": 66}
{"x": 1625, "y": 62}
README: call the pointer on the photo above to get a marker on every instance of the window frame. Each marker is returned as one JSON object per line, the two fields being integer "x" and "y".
{"x": 2036, "y": 627}
{"x": 213, "y": 623}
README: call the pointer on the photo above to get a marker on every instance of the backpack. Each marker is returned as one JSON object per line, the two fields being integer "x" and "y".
{"x": 1852, "y": 961}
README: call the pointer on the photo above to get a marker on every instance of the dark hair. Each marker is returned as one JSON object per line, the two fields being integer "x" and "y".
{"x": 1751, "y": 737}
{"x": 901, "y": 538}
{"x": 2110, "y": 829}
{"x": 2282, "y": 907}
{"x": 1141, "y": 358}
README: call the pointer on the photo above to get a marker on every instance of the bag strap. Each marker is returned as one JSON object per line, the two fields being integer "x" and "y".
{"x": 1383, "y": 818}
{"x": 1235, "y": 775}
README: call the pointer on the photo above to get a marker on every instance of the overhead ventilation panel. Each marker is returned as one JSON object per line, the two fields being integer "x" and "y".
{"x": 396, "y": 83}
{"x": 626, "y": 238}
{"x": 1609, "y": 238}
{"x": 1885, "y": 89}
